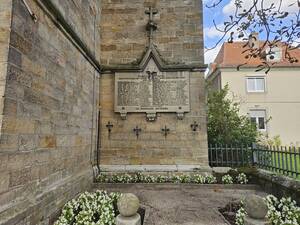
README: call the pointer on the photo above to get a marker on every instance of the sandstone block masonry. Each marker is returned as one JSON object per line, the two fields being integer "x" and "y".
{"x": 48, "y": 98}
{"x": 50, "y": 94}
{"x": 179, "y": 41}
{"x": 179, "y": 37}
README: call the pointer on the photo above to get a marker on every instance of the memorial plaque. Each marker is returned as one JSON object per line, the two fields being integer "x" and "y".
{"x": 152, "y": 91}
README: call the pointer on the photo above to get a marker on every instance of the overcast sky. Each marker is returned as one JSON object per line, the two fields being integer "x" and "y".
{"x": 211, "y": 35}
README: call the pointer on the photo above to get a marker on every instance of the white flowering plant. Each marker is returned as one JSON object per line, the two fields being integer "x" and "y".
{"x": 199, "y": 179}
{"x": 162, "y": 179}
{"x": 282, "y": 212}
{"x": 172, "y": 178}
{"x": 242, "y": 179}
{"x": 150, "y": 179}
{"x": 175, "y": 179}
{"x": 240, "y": 215}
{"x": 96, "y": 208}
{"x": 227, "y": 179}
{"x": 138, "y": 177}
{"x": 210, "y": 179}
{"x": 182, "y": 179}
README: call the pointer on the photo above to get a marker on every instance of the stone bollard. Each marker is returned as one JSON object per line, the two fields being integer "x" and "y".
{"x": 257, "y": 210}
{"x": 128, "y": 206}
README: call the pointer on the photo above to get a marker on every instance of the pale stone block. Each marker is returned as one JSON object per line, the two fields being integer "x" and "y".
{"x": 113, "y": 168}
{"x": 133, "y": 220}
{"x": 250, "y": 221}
{"x": 160, "y": 168}
{"x": 189, "y": 168}
{"x": 4, "y": 181}
{"x": 221, "y": 169}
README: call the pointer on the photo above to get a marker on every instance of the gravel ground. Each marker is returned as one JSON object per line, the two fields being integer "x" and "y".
{"x": 183, "y": 204}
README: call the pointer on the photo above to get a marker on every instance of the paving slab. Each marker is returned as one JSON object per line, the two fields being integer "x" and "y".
{"x": 184, "y": 204}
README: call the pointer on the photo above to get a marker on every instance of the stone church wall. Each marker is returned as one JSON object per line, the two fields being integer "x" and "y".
{"x": 178, "y": 37}
{"x": 49, "y": 95}
{"x": 5, "y": 21}
{"x": 178, "y": 40}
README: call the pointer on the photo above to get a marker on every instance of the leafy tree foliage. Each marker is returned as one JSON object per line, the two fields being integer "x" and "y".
{"x": 225, "y": 124}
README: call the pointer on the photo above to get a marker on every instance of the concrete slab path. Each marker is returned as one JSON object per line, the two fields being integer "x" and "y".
{"x": 184, "y": 204}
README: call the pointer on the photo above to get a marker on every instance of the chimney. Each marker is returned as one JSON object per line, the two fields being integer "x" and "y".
{"x": 254, "y": 40}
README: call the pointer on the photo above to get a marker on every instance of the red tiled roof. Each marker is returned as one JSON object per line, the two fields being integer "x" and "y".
{"x": 231, "y": 55}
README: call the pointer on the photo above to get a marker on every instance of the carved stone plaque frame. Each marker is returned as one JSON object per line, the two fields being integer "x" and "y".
{"x": 152, "y": 91}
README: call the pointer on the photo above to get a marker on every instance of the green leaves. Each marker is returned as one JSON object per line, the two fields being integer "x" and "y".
{"x": 225, "y": 124}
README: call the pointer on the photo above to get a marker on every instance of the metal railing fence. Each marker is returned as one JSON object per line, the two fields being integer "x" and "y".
{"x": 284, "y": 160}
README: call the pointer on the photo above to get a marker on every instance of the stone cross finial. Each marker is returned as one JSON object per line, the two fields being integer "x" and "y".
{"x": 151, "y": 26}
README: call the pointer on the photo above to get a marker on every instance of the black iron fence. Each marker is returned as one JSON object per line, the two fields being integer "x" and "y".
{"x": 285, "y": 160}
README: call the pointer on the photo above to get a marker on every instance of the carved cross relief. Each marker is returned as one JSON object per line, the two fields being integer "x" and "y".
{"x": 151, "y": 26}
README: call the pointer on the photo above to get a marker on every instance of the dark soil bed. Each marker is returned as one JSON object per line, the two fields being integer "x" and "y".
{"x": 229, "y": 211}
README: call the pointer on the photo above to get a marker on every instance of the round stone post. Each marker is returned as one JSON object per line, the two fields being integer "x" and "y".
{"x": 257, "y": 210}
{"x": 128, "y": 206}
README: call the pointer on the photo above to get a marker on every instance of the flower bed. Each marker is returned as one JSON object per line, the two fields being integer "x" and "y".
{"x": 189, "y": 179}
{"x": 282, "y": 211}
{"x": 98, "y": 208}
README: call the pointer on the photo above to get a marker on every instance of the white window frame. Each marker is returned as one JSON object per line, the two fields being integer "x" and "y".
{"x": 257, "y": 119}
{"x": 256, "y": 77}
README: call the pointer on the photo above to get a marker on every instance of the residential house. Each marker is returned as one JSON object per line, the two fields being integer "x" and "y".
{"x": 271, "y": 100}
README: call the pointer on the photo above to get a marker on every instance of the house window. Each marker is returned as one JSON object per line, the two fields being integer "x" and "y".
{"x": 256, "y": 84}
{"x": 258, "y": 117}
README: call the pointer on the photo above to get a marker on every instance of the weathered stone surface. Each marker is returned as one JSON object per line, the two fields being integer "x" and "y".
{"x": 251, "y": 221}
{"x": 178, "y": 40}
{"x": 48, "y": 91}
{"x": 278, "y": 185}
{"x": 179, "y": 30}
{"x": 182, "y": 146}
{"x": 4, "y": 181}
{"x": 128, "y": 204}
{"x": 132, "y": 220}
{"x": 49, "y": 95}
{"x": 256, "y": 207}
{"x": 170, "y": 91}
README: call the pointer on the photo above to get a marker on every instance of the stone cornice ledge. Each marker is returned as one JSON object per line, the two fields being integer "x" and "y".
{"x": 155, "y": 168}
{"x": 152, "y": 52}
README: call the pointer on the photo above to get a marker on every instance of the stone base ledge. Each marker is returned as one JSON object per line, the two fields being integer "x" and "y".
{"x": 155, "y": 168}
{"x": 132, "y": 220}
{"x": 278, "y": 185}
{"x": 280, "y": 179}
{"x": 251, "y": 221}
{"x": 221, "y": 169}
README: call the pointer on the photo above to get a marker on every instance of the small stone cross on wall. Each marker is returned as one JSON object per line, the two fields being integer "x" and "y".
{"x": 137, "y": 131}
{"x": 151, "y": 26}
